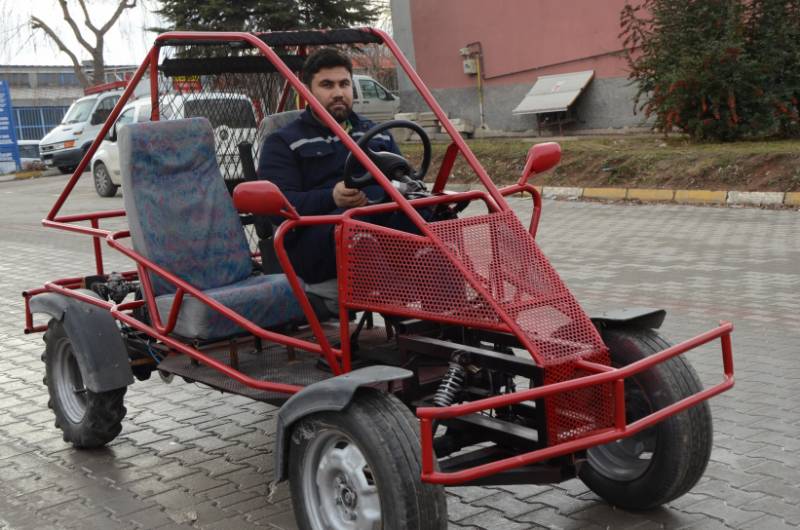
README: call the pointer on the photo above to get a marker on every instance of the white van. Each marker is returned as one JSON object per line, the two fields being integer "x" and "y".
{"x": 65, "y": 145}
{"x": 372, "y": 100}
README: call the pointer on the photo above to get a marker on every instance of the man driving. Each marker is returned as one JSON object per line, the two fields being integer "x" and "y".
{"x": 305, "y": 159}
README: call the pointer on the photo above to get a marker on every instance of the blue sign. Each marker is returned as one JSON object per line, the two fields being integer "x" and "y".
{"x": 9, "y": 150}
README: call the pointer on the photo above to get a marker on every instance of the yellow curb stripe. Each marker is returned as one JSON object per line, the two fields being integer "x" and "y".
{"x": 792, "y": 198}
{"x": 22, "y": 175}
{"x": 605, "y": 193}
{"x": 651, "y": 195}
{"x": 701, "y": 196}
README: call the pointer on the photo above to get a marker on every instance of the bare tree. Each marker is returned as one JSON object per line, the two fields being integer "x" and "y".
{"x": 96, "y": 50}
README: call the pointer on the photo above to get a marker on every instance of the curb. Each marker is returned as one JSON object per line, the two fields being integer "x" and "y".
{"x": 713, "y": 197}
{"x": 22, "y": 175}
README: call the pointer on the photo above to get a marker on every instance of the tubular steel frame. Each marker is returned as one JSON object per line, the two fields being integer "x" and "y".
{"x": 339, "y": 358}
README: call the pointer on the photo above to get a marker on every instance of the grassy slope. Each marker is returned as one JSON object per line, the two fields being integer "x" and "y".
{"x": 646, "y": 161}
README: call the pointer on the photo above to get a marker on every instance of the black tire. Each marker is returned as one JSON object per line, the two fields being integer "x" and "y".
{"x": 66, "y": 169}
{"x": 383, "y": 431}
{"x": 87, "y": 419}
{"x": 102, "y": 181}
{"x": 665, "y": 461}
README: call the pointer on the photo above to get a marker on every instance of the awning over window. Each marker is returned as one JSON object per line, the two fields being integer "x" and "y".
{"x": 554, "y": 93}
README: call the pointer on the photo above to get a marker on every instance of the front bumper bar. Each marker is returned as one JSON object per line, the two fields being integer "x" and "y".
{"x": 602, "y": 374}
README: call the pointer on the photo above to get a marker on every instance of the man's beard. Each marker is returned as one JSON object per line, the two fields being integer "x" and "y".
{"x": 340, "y": 113}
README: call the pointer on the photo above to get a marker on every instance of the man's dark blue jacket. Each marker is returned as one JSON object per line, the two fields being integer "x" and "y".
{"x": 305, "y": 160}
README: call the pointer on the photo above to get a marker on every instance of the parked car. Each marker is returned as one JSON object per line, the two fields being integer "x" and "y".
{"x": 232, "y": 116}
{"x": 64, "y": 146}
{"x": 373, "y": 100}
{"x": 105, "y": 162}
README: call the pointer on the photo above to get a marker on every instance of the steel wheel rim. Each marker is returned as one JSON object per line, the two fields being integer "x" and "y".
{"x": 339, "y": 486}
{"x": 101, "y": 178}
{"x": 68, "y": 383}
{"x": 630, "y": 458}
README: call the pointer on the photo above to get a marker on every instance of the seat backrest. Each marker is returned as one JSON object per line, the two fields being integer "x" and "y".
{"x": 180, "y": 215}
{"x": 272, "y": 123}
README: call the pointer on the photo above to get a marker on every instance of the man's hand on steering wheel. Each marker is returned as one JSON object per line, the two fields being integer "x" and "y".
{"x": 345, "y": 197}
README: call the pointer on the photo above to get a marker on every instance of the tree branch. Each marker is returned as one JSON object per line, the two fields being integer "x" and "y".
{"x": 74, "y": 26}
{"x": 86, "y": 20}
{"x": 37, "y": 23}
{"x": 123, "y": 5}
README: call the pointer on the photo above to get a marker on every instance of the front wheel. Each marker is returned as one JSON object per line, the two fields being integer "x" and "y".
{"x": 87, "y": 419}
{"x": 360, "y": 469}
{"x": 66, "y": 169}
{"x": 102, "y": 181}
{"x": 665, "y": 461}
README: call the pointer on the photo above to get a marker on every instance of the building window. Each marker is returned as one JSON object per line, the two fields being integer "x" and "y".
{"x": 48, "y": 79}
{"x": 32, "y": 123}
{"x": 69, "y": 79}
{"x": 19, "y": 79}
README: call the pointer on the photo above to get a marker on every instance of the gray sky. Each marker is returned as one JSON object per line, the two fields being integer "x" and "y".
{"x": 125, "y": 43}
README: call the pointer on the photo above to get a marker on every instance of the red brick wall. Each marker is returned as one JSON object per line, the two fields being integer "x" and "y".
{"x": 521, "y": 39}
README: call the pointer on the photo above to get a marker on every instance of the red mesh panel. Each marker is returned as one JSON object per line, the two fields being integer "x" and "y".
{"x": 400, "y": 273}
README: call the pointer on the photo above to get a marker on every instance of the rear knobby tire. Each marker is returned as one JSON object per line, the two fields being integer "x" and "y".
{"x": 87, "y": 419}
{"x": 665, "y": 461}
{"x": 360, "y": 468}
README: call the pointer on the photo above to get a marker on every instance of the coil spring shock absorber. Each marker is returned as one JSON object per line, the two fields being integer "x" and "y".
{"x": 452, "y": 383}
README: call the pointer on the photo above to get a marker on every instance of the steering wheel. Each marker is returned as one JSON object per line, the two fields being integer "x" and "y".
{"x": 393, "y": 165}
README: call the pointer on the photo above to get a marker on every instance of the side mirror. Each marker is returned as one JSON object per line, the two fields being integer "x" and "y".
{"x": 262, "y": 197}
{"x": 112, "y": 134}
{"x": 541, "y": 157}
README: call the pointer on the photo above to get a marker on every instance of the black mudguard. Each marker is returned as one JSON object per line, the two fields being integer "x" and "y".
{"x": 641, "y": 317}
{"x": 330, "y": 395}
{"x": 95, "y": 337}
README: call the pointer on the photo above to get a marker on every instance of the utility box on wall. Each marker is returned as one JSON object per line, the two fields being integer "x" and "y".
{"x": 470, "y": 61}
{"x": 470, "y": 66}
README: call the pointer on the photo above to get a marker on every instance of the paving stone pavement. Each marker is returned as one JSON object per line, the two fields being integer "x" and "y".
{"x": 193, "y": 458}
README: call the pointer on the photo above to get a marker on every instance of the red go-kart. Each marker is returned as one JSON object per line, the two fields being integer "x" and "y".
{"x": 450, "y": 355}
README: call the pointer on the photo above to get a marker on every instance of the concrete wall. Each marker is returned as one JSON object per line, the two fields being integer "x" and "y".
{"x": 403, "y": 35}
{"x": 44, "y": 96}
{"x": 606, "y": 104}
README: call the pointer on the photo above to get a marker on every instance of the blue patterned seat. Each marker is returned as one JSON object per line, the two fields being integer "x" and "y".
{"x": 182, "y": 218}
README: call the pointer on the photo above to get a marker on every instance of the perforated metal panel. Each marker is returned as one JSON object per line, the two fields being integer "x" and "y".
{"x": 406, "y": 274}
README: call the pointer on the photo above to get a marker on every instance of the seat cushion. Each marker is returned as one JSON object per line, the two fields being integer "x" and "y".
{"x": 267, "y": 301}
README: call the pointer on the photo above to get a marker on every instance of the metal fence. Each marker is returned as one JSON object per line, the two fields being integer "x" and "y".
{"x": 32, "y": 123}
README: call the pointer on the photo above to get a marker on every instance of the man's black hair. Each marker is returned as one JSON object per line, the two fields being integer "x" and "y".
{"x": 324, "y": 58}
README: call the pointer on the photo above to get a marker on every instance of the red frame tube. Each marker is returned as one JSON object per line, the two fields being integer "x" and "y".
{"x": 152, "y": 55}
{"x": 536, "y": 195}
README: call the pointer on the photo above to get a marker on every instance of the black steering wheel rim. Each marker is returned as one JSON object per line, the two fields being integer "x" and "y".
{"x": 352, "y": 181}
